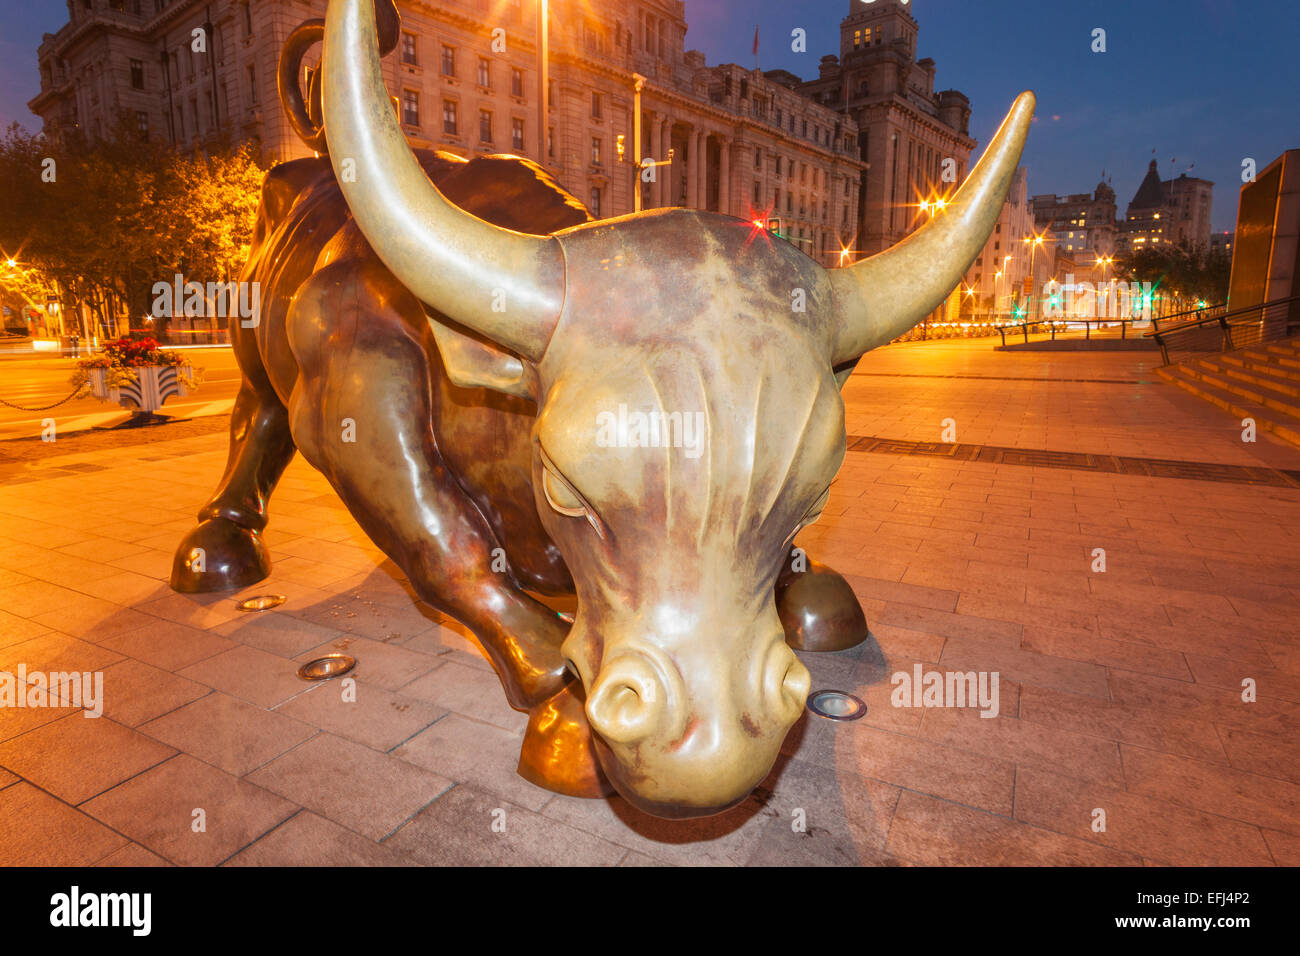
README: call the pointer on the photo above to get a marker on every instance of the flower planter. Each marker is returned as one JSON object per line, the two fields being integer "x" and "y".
{"x": 154, "y": 384}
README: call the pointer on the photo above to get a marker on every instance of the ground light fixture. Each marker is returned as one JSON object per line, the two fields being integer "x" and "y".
{"x": 261, "y": 602}
{"x": 327, "y": 667}
{"x": 836, "y": 705}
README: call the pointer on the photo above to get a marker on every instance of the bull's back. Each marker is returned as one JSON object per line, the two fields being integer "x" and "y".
{"x": 304, "y": 226}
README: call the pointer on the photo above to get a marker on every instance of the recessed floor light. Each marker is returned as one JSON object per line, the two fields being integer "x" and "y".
{"x": 263, "y": 602}
{"x": 836, "y": 705}
{"x": 324, "y": 668}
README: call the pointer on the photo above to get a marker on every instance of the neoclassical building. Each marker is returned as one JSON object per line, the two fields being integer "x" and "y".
{"x": 465, "y": 77}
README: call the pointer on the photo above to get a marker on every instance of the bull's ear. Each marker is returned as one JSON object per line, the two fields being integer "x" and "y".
{"x": 475, "y": 363}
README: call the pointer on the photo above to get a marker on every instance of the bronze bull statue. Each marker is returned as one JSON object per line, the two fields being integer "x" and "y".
{"x": 499, "y": 356}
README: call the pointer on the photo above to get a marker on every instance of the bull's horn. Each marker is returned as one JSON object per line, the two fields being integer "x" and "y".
{"x": 505, "y": 285}
{"x": 882, "y": 297}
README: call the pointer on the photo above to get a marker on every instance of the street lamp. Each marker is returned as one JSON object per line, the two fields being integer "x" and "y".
{"x": 638, "y": 84}
{"x": 1034, "y": 242}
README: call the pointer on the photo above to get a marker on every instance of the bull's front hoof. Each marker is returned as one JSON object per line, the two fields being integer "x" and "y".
{"x": 558, "y": 753}
{"x": 219, "y": 555}
{"x": 819, "y": 610}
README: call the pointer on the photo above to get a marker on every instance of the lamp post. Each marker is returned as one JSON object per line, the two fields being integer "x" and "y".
{"x": 639, "y": 163}
{"x": 1034, "y": 242}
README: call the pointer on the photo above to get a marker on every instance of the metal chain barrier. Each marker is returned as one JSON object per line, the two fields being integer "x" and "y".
{"x": 44, "y": 408}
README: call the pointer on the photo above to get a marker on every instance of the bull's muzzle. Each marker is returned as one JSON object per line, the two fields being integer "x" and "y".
{"x": 680, "y": 749}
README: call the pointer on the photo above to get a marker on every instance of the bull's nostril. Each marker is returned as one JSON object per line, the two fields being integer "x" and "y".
{"x": 797, "y": 682}
{"x": 788, "y": 682}
{"x": 627, "y": 703}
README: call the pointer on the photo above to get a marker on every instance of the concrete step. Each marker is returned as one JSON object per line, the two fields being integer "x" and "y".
{"x": 1271, "y": 364}
{"x": 1260, "y": 395}
{"x": 1261, "y": 375}
{"x": 1284, "y": 425}
{"x": 1287, "y": 348}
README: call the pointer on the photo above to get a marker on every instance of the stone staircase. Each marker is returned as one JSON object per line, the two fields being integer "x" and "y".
{"x": 1261, "y": 382}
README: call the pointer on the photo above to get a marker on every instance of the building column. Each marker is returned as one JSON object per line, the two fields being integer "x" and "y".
{"x": 724, "y": 177}
{"x": 664, "y": 179}
{"x": 693, "y": 167}
{"x": 702, "y": 180}
{"x": 656, "y": 142}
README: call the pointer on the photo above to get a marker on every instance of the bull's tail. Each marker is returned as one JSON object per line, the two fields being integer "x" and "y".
{"x": 304, "y": 113}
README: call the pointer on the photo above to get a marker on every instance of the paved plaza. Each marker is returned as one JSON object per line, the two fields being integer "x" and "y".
{"x": 1147, "y": 714}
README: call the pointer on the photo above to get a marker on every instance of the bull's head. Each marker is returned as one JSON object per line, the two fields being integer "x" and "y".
{"x": 674, "y": 547}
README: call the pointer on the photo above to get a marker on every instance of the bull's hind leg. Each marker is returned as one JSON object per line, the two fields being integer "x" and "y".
{"x": 225, "y": 552}
{"x": 361, "y": 414}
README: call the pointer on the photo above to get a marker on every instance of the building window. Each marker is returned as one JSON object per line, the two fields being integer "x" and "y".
{"x": 408, "y": 50}
{"x": 758, "y": 193}
{"x": 594, "y": 205}
{"x": 142, "y": 125}
{"x": 517, "y": 133}
{"x": 758, "y": 157}
{"x": 516, "y": 81}
{"x": 550, "y": 94}
{"x": 595, "y": 151}
{"x": 485, "y": 126}
{"x": 137, "y": 74}
{"x": 484, "y": 73}
{"x": 550, "y": 142}
{"x": 448, "y": 61}
{"x": 252, "y": 84}
{"x": 248, "y": 18}
{"x": 410, "y": 107}
{"x": 595, "y": 105}
{"x": 450, "y": 126}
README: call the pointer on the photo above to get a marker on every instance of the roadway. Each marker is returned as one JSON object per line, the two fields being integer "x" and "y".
{"x": 37, "y": 380}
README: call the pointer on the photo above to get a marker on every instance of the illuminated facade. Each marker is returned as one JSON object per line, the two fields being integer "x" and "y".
{"x": 745, "y": 143}
{"x": 915, "y": 142}
{"x": 1173, "y": 211}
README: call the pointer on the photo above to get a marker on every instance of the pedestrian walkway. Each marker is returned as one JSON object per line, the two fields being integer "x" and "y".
{"x": 1146, "y": 713}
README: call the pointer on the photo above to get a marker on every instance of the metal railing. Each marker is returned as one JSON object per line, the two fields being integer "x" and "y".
{"x": 1228, "y": 330}
{"x": 1064, "y": 326}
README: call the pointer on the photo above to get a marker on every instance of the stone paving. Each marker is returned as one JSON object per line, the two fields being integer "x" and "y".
{"x": 1121, "y": 692}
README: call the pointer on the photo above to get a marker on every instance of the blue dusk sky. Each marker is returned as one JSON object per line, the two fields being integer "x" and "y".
{"x": 1209, "y": 82}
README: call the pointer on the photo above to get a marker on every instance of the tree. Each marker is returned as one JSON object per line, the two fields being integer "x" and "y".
{"x": 105, "y": 219}
{"x": 1183, "y": 277}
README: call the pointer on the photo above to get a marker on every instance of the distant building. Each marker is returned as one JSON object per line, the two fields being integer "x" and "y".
{"x": 1079, "y": 224}
{"x": 1221, "y": 242}
{"x": 908, "y": 135}
{"x": 1172, "y": 211}
{"x": 994, "y": 285}
{"x": 743, "y": 142}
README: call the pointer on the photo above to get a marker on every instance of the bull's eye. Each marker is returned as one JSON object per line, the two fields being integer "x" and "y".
{"x": 818, "y": 507}
{"x": 560, "y": 496}
{"x": 564, "y": 498}
{"x": 811, "y": 515}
